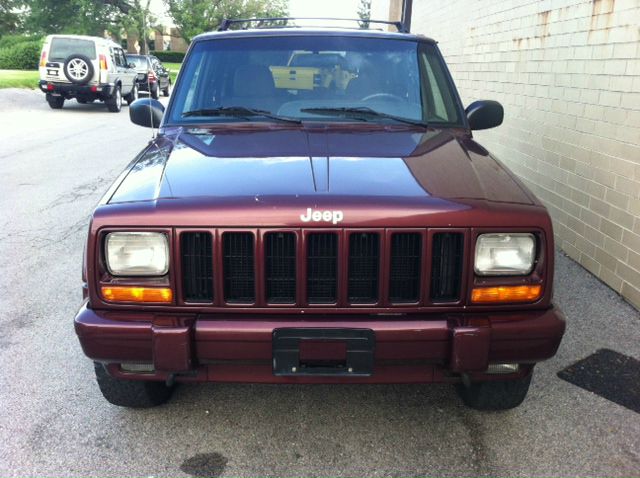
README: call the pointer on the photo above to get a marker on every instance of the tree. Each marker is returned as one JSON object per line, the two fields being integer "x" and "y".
{"x": 364, "y": 12}
{"x": 193, "y": 17}
{"x": 138, "y": 20}
{"x": 9, "y": 19}
{"x": 85, "y": 17}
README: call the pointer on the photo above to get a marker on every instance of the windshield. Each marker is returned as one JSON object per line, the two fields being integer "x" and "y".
{"x": 139, "y": 61}
{"x": 322, "y": 78}
{"x": 61, "y": 48}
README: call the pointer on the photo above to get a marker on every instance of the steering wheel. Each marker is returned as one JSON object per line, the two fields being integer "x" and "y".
{"x": 382, "y": 95}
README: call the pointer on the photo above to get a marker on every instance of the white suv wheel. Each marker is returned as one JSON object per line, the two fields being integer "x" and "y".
{"x": 115, "y": 102}
{"x": 78, "y": 69}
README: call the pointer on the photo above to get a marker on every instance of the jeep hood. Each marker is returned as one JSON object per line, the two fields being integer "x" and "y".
{"x": 314, "y": 164}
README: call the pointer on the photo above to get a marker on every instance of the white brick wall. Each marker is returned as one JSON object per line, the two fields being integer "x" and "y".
{"x": 568, "y": 74}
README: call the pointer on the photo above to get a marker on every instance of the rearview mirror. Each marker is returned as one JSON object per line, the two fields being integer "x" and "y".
{"x": 146, "y": 112}
{"x": 132, "y": 65}
{"x": 484, "y": 114}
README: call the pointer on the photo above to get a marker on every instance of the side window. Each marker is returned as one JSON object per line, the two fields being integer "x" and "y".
{"x": 438, "y": 102}
{"x": 437, "y": 95}
{"x": 119, "y": 56}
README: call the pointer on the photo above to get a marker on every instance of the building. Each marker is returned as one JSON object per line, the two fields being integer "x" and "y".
{"x": 568, "y": 75}
{"x": 162, "y": 39}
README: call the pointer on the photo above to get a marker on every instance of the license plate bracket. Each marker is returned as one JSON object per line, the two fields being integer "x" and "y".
{"x": 358, "y": 358}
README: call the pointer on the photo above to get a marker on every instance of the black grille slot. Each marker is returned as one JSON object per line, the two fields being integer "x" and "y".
{"x": 364, "y": 259}
{"x": 239, "y": 277}
{"x": 406, "y": 260}
{"x": 446, "y": 268}
{"x": 280, "y": 267}
{"x": 197, "y": 266}
{"x": 322, "y": 268}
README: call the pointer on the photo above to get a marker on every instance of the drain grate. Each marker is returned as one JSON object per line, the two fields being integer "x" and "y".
{"x": 610, "y": 374}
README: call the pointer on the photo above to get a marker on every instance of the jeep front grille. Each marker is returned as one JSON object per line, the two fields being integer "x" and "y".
{"x": 406, "y": 267}
{"x": 446, "y": 266}
{"x": 238, "y": 265}
{"x": 280, "y": 267}
{"x": 364, "y": 263}
{"x": 197, "y": 266}
{"x": 323, "y": 268}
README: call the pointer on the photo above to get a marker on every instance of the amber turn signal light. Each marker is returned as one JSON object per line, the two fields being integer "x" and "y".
{"x": 500, "y": 294}
{"x": 137, "y": 294}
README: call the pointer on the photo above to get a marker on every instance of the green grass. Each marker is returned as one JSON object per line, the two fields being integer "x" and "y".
{"x": 19, "y": 78}
{"x": 173, "y": 70}
{"x": 29, "y": 78}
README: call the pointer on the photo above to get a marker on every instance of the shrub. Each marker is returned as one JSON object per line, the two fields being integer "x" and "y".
{"x": 169, "y": 56}
{"x": 7, "y": 41}
{"x": 23, "y": 56}
{"x": 20, "y": 52}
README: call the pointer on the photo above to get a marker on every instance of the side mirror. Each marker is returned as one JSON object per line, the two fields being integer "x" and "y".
{"x": 484, "y": 114}
{"x": 146, "y": 112}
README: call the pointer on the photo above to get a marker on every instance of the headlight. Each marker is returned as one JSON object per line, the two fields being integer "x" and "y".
{"x": 504, "y": 254}
{"x": 137, "y": 253}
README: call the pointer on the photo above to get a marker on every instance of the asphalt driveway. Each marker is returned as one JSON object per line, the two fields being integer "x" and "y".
{"x": 54, "y": 166}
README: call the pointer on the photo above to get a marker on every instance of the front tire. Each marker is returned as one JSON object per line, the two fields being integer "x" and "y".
{"x": 114, "y": 104}
{"x": 55, "y": 102}
{"x": 131, "y": 97}
{"x": 131, "y": 393}
{"x": 167, "y": 90}
{"x": 495, "y": 395}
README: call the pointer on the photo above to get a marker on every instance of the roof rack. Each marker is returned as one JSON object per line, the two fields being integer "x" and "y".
{"x": 227, "y": 22}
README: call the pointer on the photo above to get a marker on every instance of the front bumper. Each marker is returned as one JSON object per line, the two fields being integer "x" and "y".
{"x": 70, "y": 90}
{"x": 233, "y": 348}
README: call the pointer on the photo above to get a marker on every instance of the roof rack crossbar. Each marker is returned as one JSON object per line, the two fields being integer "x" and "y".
{"x": 227, "y": 22}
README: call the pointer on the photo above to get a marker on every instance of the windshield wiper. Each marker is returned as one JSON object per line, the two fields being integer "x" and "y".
{"x": 361, "y": 112}
{"x": 238, "y": 111}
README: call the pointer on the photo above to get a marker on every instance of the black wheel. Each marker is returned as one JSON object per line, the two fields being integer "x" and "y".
{"x": 131, "y": 393}
{"x": 115, "y": 102}
{"x": 78, "y": 69}
{"x": 55, "y": 102}
{"x": 497, "y": 395}
{"x": 154, "y": 92}
{"x": 167, "y": 90}
{"x": 131, "y": 97}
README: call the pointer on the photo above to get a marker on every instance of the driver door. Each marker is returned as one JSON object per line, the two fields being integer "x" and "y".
{"x": 127, "y": 75}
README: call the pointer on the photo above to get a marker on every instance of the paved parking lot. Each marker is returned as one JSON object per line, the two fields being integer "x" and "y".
{"x": 54, "y": 166}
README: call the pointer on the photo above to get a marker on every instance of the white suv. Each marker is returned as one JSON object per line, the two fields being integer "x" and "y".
{"x": 88, "y": 69}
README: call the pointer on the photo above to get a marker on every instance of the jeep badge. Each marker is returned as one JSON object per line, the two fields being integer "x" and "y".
{"x": 325, "y": 216}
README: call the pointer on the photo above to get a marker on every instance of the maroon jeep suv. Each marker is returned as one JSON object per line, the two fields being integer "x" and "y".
{"x": 315, "y": 209}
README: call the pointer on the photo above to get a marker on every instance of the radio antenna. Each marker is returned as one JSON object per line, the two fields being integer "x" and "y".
{"x": 146, "y": 57}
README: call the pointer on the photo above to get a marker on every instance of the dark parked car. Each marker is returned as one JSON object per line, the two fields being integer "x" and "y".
{"x": 152, "y": 77}
{"x": 327, "y": 220}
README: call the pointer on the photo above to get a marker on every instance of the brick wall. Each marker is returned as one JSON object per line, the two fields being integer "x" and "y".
{"x": 568, "y": 75}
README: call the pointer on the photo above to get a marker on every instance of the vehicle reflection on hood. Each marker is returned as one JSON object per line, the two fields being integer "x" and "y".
{"x": 232, "y": 162}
